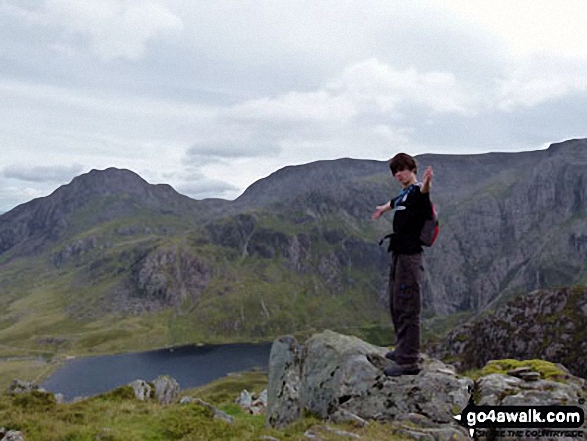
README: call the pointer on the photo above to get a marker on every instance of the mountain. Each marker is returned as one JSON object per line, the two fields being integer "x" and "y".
{"x": 128, "y": 264}
{"x": 88, "y": 200}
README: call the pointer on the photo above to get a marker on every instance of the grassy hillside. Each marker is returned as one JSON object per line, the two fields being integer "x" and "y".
{"x": 118, "y": 416}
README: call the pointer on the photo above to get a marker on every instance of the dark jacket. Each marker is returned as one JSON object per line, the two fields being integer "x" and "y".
{"x": 412, "y": 208}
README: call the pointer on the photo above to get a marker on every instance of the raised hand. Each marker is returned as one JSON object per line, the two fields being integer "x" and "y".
{"x": 427, "y": 180}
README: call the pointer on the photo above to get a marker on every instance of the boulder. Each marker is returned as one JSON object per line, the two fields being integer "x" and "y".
{"x": 283, "y": 400}
{"x": 166, "y": 389}
{"x": 186, "y": 400}
{"x": 18, "y": 386}
{"x": 245, "y": 399}
{"x": 13, "y": 435}
{"x": 333, "y": 372}
{"x": 259, "y": 405}
{"x": 141, "y": 389}
{"x": 255, "y": 406}
{"x": 216, "y": 413}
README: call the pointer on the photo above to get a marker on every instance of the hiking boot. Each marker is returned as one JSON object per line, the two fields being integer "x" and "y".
{"x": 391, "y": 355}
{"x": 396, "y": 370}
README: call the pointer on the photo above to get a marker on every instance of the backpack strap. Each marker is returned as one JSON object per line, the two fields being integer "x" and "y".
{"x": 383, "y": 239}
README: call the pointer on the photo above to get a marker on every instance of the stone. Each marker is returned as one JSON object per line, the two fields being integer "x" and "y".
{"x": 310, "y": 434}
{"x": 342, "y": 433}
{"x": 166, "y": 389}
{"x": 245, "y": 399}
{"x": 13, "y": 435}
{"x": 283, "y": 400}
{"x": 18, "y": 386}
{"x": 259, "y": 405}
{"x": 492, "y": 387}
{"x": 418, "y": 420}
{"x": 439, "y": 434}
{"x": 255, "y": 406}
{"x": 141, "y": 389}
{"x": 262, "y": 399}
{"x": 217, "y": 413}
{"x": 520, "y": 370}
{"x": 530, "y": 376}
{"x": 344, "y": 416}
{"x": 186, "y": 400}
{"x": 500, "y": 389}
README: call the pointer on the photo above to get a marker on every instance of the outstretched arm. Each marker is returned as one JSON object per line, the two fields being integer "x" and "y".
{"x": 381, "y": 209}
{"x": 427, "y": 180}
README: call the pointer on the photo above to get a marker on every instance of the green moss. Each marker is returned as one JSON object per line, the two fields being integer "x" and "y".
{"x": 548, "y": 370}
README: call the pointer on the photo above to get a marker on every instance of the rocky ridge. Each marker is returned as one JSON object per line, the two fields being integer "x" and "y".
{"x": 545, "y": 324}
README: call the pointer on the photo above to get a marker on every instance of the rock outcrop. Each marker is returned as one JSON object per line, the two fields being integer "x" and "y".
{"x": 169, "y": 277}
{"x": 340, "y": 379}
{"x": 142, "y": 390}
{"x": 18, "y": 386}
{"x": 11, "y": 435}
{"x": 164, "y": 389}
{"x": 255, "y": 405}
{"x": 549, "y": 325}
{"x": 332, "y": 373}
{"x": 554, "y": 386}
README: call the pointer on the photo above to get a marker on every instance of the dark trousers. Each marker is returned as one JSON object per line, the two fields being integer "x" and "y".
{"x": 405, "y": 304}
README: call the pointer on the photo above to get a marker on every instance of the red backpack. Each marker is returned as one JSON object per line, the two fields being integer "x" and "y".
{"x": 430, "y": 230}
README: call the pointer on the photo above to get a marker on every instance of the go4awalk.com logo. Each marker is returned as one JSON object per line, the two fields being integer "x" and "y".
{"x": 528, "y": 421}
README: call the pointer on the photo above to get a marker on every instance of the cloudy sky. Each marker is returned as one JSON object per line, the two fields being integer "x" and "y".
{"x": 211, "y": 95}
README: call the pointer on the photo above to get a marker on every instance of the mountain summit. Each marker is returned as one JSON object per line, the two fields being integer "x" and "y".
{"x": 89, "y": 199}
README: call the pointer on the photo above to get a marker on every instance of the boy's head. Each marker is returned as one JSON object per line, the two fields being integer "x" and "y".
{"x": 402, "y": 161}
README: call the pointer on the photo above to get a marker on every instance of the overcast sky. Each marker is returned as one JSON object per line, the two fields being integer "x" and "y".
{"x": 211, "y": 95}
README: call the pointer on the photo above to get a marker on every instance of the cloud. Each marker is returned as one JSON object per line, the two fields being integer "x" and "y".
{"x": 375, "y": 84}
{"x": 538, "y": 79}
{"x": 213, "y": 151}
{"x": 112, "y": 28}
{"x": 208, "y": 188}
{"x": 50, "y": 173}
{"x": 195, "y": 184}
{"x": 358, "y": 113}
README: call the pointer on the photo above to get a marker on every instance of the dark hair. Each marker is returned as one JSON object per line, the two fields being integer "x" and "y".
{"x": 402, "y": 161}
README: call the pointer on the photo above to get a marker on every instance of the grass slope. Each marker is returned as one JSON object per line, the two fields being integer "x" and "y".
{"x": 118, "y": 416}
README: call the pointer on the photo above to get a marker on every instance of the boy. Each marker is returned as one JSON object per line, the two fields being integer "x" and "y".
{"x": 412, "y": 207}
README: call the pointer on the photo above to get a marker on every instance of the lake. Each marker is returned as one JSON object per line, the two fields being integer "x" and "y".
{"x": 191, "y": 366}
